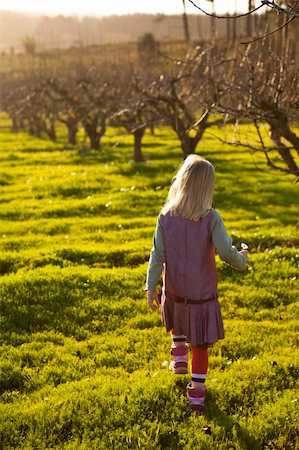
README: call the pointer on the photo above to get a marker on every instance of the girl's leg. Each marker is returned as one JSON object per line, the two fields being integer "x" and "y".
{"x": 199, "y": 370}
{"x": 178, "y": 340}
{"x": 179, "y": 353}
{"x": 196, "y": 391}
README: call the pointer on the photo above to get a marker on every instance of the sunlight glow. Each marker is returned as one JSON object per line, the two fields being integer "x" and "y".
{"x": 119, "y": 7}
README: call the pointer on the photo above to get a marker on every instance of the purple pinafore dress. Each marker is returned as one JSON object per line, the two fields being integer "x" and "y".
{"x": 189, "y": 298}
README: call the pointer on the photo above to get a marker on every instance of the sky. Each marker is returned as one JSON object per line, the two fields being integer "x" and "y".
{"x": 109, "y": 7}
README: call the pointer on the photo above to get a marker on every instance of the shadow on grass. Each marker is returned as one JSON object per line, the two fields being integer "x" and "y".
{"x": 230, "y": 426}
{"x": 214, "y": 414}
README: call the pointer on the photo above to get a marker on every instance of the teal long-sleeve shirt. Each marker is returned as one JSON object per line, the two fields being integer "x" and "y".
{"x": 221, "y": 240}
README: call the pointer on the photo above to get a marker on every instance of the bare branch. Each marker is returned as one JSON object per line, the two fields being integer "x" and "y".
{"x": 257, "y": 127}
{"x": 269, "y": 34}
{"x": 254, "y": 149}
{"x": 201, "y": 119}
{"x": 248, "y": 146}
{"x": 226, "y": 17}
{"x": 271, "y": 4}
{"x": 191, "y": 61}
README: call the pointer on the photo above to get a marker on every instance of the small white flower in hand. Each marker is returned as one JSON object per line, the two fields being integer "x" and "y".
{"x": 244, "y": 251}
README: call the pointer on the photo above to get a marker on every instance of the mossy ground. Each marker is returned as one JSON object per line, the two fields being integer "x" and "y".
{"x": 83, "y": 356}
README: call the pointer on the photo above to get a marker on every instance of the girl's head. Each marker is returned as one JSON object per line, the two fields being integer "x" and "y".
{"x": 191, "y": 192}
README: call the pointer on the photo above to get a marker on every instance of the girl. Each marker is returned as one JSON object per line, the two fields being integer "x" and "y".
{"x": 187, "y": 234}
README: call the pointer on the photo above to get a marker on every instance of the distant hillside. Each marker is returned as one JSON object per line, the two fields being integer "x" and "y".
{"x": 62, "y": 31}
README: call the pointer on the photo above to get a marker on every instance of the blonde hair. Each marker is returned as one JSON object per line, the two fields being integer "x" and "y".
{"x": 191, "y": 192}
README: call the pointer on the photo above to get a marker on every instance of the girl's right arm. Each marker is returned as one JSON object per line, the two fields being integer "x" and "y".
{"x": 224, "y": 244}
{"x": 157, "y": 259}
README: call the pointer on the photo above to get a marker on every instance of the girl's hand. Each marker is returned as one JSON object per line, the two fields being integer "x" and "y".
{"x": 152, "y": 300}
{"x": 244, "y": 253}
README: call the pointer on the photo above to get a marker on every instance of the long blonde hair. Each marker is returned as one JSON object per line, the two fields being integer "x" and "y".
{"x": 191, "y": 191}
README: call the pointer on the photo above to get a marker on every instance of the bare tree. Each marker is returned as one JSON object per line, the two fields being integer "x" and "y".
{"x": 62, "y": 92}
{"x": 177, "y": 97}
{"x": 29, "y": 44}
{"x": 147, "y": 47}
{"x": 133, "y": 119}
{"x": 97, "y": 96}
{"x": 262, "y": 85}
{"x": 30, "y": 109}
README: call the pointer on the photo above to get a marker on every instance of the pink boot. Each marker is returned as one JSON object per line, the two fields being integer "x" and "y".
{"x": 179, "y": 363}
{"x": 196, "y": 398}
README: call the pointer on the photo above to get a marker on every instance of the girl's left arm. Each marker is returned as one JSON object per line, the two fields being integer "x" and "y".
{"x": 157, "y": 258}
{"x": 224, "y": 244}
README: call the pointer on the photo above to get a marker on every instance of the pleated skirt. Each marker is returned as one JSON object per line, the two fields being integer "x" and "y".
{"x": 201, "y": 323}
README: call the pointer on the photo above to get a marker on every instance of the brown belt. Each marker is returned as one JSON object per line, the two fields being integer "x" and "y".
{"x": 190, "y": 301}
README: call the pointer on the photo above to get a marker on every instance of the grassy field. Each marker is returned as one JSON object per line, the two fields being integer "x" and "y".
{"x": 83, "y": 358}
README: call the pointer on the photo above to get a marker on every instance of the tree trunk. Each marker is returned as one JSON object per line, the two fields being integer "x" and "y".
{"x": 228, "y": 29}
{"x": 91, "y": 129}
{"x": 14, "y": 127}
{"x": 72, "y": 133}
{"x": 94, "y": 140}
{"x": 249, "y": 23}
{"x": 138, "y": 135}
{"x": 213, "y": 21}
{"x": 189, "y": 143}
{"x": 51, "y": 131}
{"x": 31, "y": 130}
{"x": 38, "y": 128}
{"x": 284, "y": 152}
{"x": 279, "y": 127}
{"x": 288, "y": 134}
{"x": 186, "y": 24}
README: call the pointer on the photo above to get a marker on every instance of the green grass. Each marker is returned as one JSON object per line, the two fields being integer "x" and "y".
{"x": 83, "y": 357}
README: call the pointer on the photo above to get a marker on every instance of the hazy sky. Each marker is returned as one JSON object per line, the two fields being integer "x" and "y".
{"x": 108, "y": 7}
